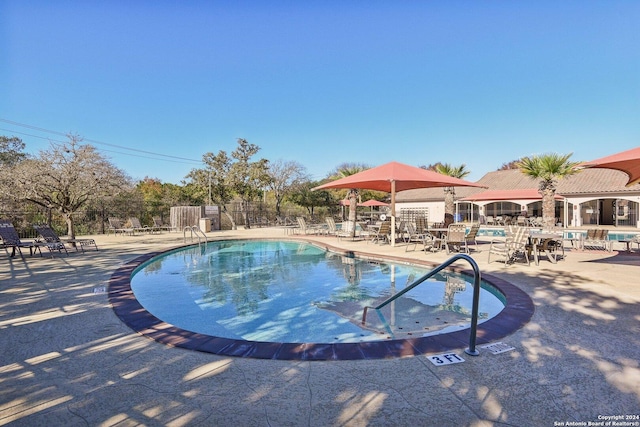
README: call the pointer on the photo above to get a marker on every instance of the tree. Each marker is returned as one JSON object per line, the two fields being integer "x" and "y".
{"x": 308, "y": 199}
{"x": 548, "y": 168}
{"x": 67, "y": 177}
{"x": 11, "y": 151}
{"x": 510, "y": 165}
{"x": 210, "y": 182}
{"x": 343, "y": 171}
{"x": 286, "y": 177}
{"x": 158, "y": 197}
{"x": 248, "y": 179}
{"x": 221, "y": 179}
{"x": 449, "y": 192}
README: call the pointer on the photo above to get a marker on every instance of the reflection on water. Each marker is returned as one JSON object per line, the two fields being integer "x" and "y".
{"x": 296, "y": 292}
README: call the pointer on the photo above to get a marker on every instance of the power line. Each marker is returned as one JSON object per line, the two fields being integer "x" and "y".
{"x": 102, "y": 149}
{"x": 96, "y": 142}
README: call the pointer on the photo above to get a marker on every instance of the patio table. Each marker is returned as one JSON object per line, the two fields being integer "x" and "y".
{"x": 538, "y": 240}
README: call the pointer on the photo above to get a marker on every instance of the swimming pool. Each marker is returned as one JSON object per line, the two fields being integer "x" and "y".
{"x": 295, "y": 300}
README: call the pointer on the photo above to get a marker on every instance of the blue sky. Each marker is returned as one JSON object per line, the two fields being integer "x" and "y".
{"x": 325, "y": 82}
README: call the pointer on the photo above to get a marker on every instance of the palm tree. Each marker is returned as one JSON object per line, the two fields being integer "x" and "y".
{"x": 548, "y": 168}
{"x": 449, "y": 192}
{"x": 343, "y": 171}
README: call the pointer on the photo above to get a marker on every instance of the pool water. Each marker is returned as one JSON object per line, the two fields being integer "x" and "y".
{"x": 283, "y": 291}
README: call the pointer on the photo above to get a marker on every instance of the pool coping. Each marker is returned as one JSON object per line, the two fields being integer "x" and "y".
{"x": 518, "y": 312}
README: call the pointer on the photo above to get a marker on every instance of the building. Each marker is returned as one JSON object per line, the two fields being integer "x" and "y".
{"x": 590, "y": 197}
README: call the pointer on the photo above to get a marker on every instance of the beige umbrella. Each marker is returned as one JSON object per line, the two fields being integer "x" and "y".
{"x": 393, "y": 177}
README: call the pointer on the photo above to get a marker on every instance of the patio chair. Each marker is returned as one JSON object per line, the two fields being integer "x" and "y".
{"x": 472, "y": 235}
{"x": 159, "y": 225}
{"x": 47, "y": 234}
{"x": 455, "y": 238}
{"x": 428, "y": 240}
{"x": 551, "y": 246}
{"x": 515, "y": 245}
{"x": 363, "y": 231}
{"x": 10, "y": 239}
{"x": 401, "y": 231}
{"x": 116, "y": 227}
{"x": 137, "y": 226}
{"x": 383, "y": 233}
{"x": 490, "y": 220}
{"x": 421, "y": 224}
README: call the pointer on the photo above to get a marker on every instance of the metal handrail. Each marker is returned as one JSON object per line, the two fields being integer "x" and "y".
{"x": 476, "y": 296}
{"x": 194, "y": 229}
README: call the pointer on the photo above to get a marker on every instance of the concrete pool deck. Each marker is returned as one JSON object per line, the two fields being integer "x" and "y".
{"x": 67, "y": 359}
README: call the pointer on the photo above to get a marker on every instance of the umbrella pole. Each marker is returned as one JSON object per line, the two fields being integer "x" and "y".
{"x": 393, "y": 212}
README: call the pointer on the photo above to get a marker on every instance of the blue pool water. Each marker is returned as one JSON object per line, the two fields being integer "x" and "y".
{"x": 283, "y": 291}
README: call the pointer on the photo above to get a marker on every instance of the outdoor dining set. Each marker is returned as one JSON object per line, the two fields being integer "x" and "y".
{"x": 515, "y": 242}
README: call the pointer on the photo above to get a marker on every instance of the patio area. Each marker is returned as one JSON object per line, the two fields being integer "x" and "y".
{"x": 67, "y": 359}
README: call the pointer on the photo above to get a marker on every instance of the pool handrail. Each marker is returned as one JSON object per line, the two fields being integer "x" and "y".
{"x": 472, "y": 351}
{"x": 194, "y": 229}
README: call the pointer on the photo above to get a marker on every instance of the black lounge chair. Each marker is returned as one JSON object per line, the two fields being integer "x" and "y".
{"x": 47, "y": 234}
{"x": 10, "y": 239}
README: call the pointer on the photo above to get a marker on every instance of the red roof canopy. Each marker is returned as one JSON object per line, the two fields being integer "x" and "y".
{"x": 524, "y": 194}
{"x": 373, "y": 202}
{"x": 625, "y": 161}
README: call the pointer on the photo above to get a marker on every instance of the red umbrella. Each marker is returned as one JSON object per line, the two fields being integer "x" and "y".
{"x": 626, "y": 161}
{"x": 393, "y": 177}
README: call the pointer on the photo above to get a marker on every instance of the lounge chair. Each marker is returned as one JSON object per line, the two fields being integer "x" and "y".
{"x": 116, "y": 227}
{"x": 350, "y": 230}
{"x": 137, "y": 226}
{"x": 596, "y": 238}
{"x": 158, "y": 225}
{"x": 47, "y": 234}
{"x": 10, "y": 239}
{"x": 304, "y": 228}
{"x": 331, "y": 226}
{"x": 516, "y": 244}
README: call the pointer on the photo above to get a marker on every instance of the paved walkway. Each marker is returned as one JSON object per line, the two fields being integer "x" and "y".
{"x": 67, "y": 360}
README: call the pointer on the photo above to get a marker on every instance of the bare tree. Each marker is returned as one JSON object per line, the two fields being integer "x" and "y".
{"x": 286, "y": 177}
{"x": 67, "y": 177}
